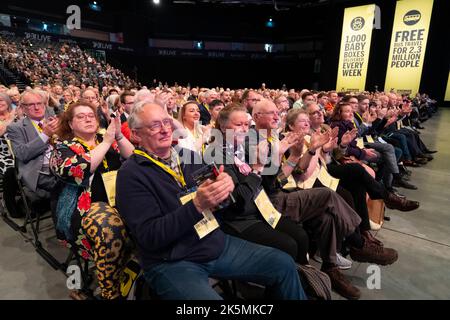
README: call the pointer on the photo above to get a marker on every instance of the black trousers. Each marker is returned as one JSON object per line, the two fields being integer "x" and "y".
{"x": 288, "y": 236}
{"x": 420, "y": 144}
{"x": 10, "y": 190}
{"x": 358, "y": 182}
{"x": 415, "y": 147}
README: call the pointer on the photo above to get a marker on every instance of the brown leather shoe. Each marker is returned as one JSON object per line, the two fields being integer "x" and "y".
{"x": 392, "y": 201}
{"x": 367, "y": 235}
{"x": 373, "y": 253}
{"x": 341, "y": 284}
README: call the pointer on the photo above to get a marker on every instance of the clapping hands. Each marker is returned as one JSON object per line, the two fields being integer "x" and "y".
{"x": 319, "y": 139}
{"x": 348, "y": 137}
{"x": 291, "y": 141}
{"x": 330, "y": 145}
{"x": 50, "y": 126}
{"x": 368, "y": 118}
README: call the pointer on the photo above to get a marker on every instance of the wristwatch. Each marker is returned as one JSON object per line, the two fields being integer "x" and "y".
{"x": 291, "y": 164}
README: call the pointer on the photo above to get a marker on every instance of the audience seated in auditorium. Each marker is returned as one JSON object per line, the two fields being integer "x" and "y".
{"x": 181, "y": 242}
{"x": 330, "y": 218}
{"x": 243, "y": 219}
{"x": 60, "y": 73}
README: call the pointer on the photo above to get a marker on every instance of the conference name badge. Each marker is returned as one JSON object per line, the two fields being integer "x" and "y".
{"x": 268, "y": 211}
{"x": 327, "y": 180}
{"x": 370, "y": 139}
{"x": 187, "y": 196}
{"x": 360, "y": 143}
{"x": 207, "y": 225}
{"x": 291, "y": 184}
{"x": 109, "y": 181}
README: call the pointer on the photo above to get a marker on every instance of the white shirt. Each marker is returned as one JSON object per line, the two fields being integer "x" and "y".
{"x": 190, "y": 141}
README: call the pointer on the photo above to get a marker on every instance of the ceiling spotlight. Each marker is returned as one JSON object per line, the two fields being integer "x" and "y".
{"x": 95, "y": 6}
{"x": 270, "y": 23}
{"x": 155, "y": 1}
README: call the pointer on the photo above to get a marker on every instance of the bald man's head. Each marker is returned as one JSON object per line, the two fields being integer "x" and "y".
{"x": 266, "y": 115}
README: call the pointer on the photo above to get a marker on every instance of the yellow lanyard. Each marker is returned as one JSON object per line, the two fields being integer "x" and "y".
{"x": 206, "y": 106}
{"x": 39, "y": 129}
{"x": 359, "y": 116}
{"x": 176, "y": 176}
{"x": 203, "y": 149}
{"x": 84, "y": 144}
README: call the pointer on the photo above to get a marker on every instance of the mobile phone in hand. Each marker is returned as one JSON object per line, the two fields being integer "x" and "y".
{"x": 211, "y": 171}
{"x": 204, "y": 173}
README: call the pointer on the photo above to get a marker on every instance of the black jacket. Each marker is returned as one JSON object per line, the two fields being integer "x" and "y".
{"x": 148, "y": 199}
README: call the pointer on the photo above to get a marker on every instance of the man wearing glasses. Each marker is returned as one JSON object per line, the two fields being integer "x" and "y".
{"x": 30, "y": 138}
{"x": 180, "y": 244}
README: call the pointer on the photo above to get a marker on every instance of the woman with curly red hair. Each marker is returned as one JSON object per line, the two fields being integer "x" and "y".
{"x": 86, "y": 163}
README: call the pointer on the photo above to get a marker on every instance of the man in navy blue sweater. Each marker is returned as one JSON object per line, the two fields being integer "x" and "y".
{"x": 181, "y": 246}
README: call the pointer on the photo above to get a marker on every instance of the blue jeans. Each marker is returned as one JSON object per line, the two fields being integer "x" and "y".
{"x": 240, "y": 260}
{"x": 403, "y": 143}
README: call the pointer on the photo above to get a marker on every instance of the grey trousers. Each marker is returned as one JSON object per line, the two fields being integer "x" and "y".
{"x": 46, "y": 184}
{"x": 322, "y": 210}
{"x": 387, "y": 153}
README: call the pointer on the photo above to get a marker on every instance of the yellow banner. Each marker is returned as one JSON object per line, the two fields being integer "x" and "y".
{"x": 355, "y": 48}
{"x": 408, "y": 44}
{"x": 447, "y": 91}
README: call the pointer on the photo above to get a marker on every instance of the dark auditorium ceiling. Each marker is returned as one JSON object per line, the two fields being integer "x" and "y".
{"x": 242, "y": 20}
{"x": 277, "y": 5}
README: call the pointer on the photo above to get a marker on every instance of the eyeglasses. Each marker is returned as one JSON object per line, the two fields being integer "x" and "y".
{"x": 36, "y": 104}
{"x": 82, "y": 116}
{"x": 254, "y": 100}
{"x": 90, "y": 98}
{"x": 303, "y": 121}
{"x": 271, "y": 113}
{"x": 315, "y": 113}
{"x": 156, "y": 126}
